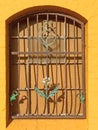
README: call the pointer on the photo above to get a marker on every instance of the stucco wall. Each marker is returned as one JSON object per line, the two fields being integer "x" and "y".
{"x": 89, "y": 10}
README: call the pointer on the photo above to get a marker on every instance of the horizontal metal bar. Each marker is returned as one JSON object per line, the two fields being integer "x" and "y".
{"x": 34, "y": 116}
{"x": 32, "y": 37}
{"x": 52, "y": 56}
{"x": 50, "y": 63}
{"x": 17, "y": 53}
{"x": 25, "y": 89}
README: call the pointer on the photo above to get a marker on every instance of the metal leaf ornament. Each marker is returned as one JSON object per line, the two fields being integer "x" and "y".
{"x": 14, "y": 96}
{"x": 39, "y": 92}
{"x": 53, "y": 92}
{"x": 82, "y": 98}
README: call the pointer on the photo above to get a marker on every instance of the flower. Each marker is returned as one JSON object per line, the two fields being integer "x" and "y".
{"x": 46, "y": 81}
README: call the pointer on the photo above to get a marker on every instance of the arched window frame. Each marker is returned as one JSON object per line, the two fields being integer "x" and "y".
{"x": 13, "y": 91}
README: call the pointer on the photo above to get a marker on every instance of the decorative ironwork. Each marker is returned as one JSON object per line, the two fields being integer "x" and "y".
{"x": 47, "y": 46}
{"x": 81, "y": 96}
{"x": 14, "y": 96}
{"x": 47, "y": 34}
{"x": 46, "y": 82}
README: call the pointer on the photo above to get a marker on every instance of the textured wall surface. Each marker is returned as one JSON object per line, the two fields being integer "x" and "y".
{"x": 89, "y": 10}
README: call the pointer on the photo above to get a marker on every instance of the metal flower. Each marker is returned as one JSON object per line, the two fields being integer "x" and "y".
{"x": 46, "y": 81}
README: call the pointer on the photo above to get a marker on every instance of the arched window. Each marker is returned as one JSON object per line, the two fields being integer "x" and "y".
{"x": 47, "y": 66}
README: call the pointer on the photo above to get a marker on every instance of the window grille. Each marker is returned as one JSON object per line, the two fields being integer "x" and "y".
{"x": 47, "y": 67}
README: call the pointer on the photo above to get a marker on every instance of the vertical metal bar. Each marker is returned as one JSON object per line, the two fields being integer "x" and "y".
{"x": 37, "y": 65}
{"x": 47, "y": 68}
{"x": 53, "y": 82}
{"x": 28, "y": 71}
{"x": 28, "y": 90}
{"x": 25, "y": 58}
{"x": 74, "y": 70}
{"x": 78, "y": 73}
{"x": 47, "y": 57}
{"x": 43, "y": 75}
{"x": 70, "y": 80}
{"x": 32, "y": 65}
{"x": 18, "y": 29}
{"x": 35, "y": 78}
{"x": 83, "y": 68}
{"x": 65, "y": 46}
{"x": 52, "y": 75}
{"x": 60, "y": 61}
{"x": 43, "y": 71}
{"x": 56, "y": 67}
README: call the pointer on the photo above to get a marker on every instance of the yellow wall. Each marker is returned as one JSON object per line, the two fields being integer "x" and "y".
{"x": 89, "y": 10}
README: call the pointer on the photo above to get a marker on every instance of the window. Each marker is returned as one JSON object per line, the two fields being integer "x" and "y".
{"x": 47, "y": 67}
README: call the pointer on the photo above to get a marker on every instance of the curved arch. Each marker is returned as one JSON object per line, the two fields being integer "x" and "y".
{"x": 46, "y": 8}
